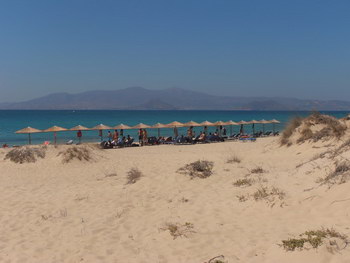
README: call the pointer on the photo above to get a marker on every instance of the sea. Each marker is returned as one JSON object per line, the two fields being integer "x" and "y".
{"x": 13, "y": 120}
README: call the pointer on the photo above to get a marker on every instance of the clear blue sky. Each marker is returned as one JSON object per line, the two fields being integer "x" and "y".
{"x": 296, "y": 48}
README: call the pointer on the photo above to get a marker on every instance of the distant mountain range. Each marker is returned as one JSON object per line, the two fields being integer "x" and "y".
{"x": 168, "y": 99}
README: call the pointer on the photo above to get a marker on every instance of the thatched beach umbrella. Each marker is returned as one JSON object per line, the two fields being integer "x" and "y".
{"x": 141, "y": 126}
{"x": 175, "y": 125}
{"x": 274, "y": 121}
{"x": 122, "y": 127}
{"x": 241, "y": 131}
{"x": 191, "y": 124}
{"x": 253, "y": 122}
{"x": 231, "y": 123}
{"x": 218, "y": 124}
{"x": 55, "y": 129}
{"x": 205, "y": 124}
{"x": 79, "y": 128}
{"x": 100, "y": 128}
{"x": 263, "y": 122}
{"x": 158, "y": 126}
{"x": 29, "y": 131}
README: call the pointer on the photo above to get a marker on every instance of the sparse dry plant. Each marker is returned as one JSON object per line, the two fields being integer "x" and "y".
{"x": 242, "y": 198}
{"x": 233, "y": 159}
{"x": 340, "y": 175}
{"x": 201, "y": 169}
{"x": 25, "y": 154}
{"x": 289, "y": 130}
{"x": 264, "y": 193}
{"x": 257, "y": 170}
{"x": 338, "y": 129}
{"x": 306, "y": 134}
{"x": 133, "y": 176}
{"x": 261, "y": 193}
{"x": 76, "y": 153}
{"x": 113, "y": 174}
{"x": 179, "y": 230}
{"x": 243, "y": 182}
{"x": 332, "y": 128}
{"x": 217, "y": 259}
{"x": 315, "y": 238}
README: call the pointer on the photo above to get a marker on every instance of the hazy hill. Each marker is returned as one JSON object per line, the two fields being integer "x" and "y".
{"x": 168, "y": 99}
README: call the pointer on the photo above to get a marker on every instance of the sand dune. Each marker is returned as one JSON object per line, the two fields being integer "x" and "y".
{"x": 85, "y": 212}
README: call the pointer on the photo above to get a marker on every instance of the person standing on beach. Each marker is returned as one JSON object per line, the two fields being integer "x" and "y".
{"x": 141, "y": 137}
{"x": 145, "y": 136}
{"x": 110, "y": 137}
{"x": 115, "y": 135}
{"x": 100, "y": 133}
{"x": 176, "y": 133}
{"x": 79, "y": 135}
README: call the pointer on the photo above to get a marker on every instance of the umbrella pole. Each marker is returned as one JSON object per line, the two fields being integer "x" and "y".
{"x": 29, "y": 139}
{"x": 263, "y": 128}
{"x": 158, "y": 132}
{"x": 273, "y": 127}
{"x": 231, "y": 130}
{"x": 253, "y": 128}
{"x": 54, "y": 134}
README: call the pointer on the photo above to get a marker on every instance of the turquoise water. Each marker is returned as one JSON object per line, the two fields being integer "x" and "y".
{"x": 11, "y": 121}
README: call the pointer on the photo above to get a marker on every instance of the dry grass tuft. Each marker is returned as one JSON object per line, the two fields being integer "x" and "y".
{"x": 217, "y": 259}
{"x": 243, "y": 182}
{"x": 306, "y": 134}
{"x": 289, "y": 130}
{"x": 315, "y": 238}
{"x": 333, "y": 128}
{"x": 340, "y": 175}
{"x": 233, "y": 159}
{"x": 76, "y": 153}
{"x": 242, "y": 198}
{"x": 133, "y": 176}
{"x": 264, "y": 193}
{"x": 333, "y": 124}
{"x": 201, "y": 169}
{"x": 179, "y": 230}
{"x": 257, "y": 170}
{"x": 25, "y": 154}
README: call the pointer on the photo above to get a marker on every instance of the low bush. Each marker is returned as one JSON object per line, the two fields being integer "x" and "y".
{"x": 201, "y": 169}
{"x": 233, "y": 159}
{"x": 76, "y": 153}
{"x": 289, "y": 130}
{"x": 179, "y": 230}
{"x": 242, "y": 198}
{"x": 306, "y": 134}
{"x": 264, "y": 193}
{"x": 315, "y": 238}
{"x": 332, "y": 128}
{"x": 338, "y": 129}
{"x": 25, "y": 154}
{"x": 340, "y": 175}
{"x": 133, "y": 176}
{"x": 243, "y": 182}
{"x": 257, "y": 170}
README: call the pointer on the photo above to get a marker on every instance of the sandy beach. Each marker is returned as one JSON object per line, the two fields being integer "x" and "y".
{"x": 84, "y": 211}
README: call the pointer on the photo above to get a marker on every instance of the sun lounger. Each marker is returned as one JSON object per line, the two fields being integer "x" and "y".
{"x": 247, "y": 139}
